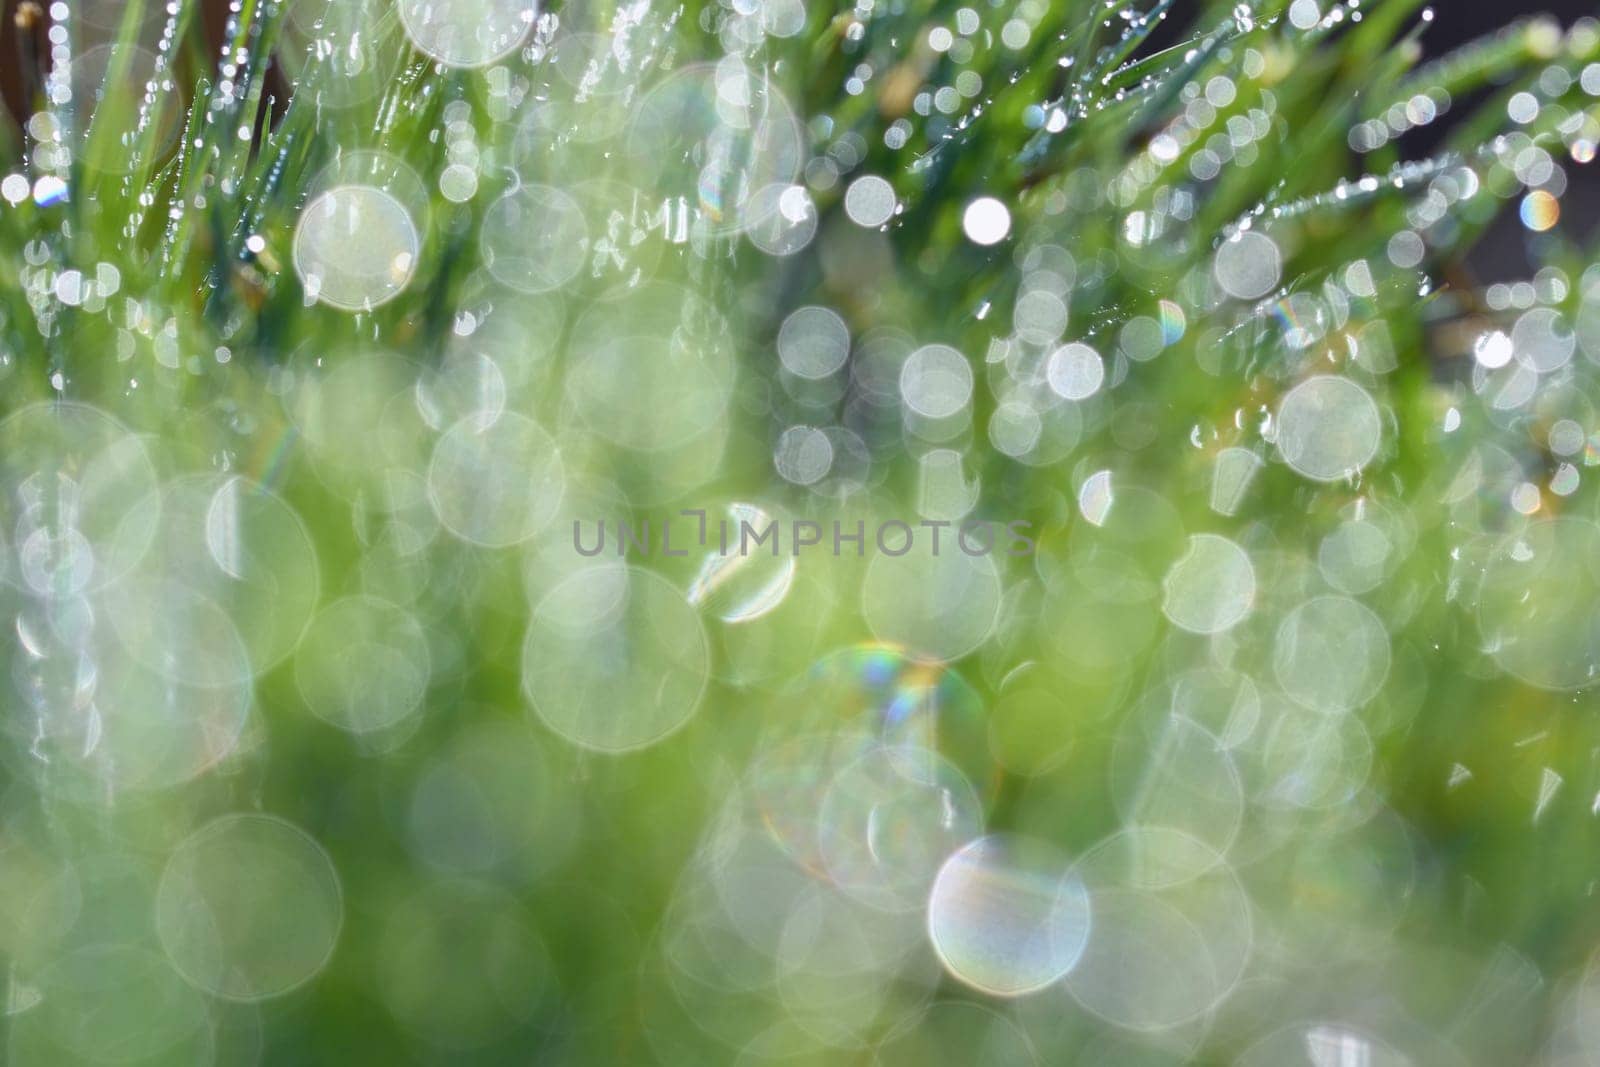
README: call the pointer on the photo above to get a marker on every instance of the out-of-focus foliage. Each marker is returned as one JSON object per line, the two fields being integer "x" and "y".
{"x": 1257, "y": 730}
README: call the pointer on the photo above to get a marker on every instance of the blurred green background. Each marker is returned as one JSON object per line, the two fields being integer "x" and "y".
{"x": 322, "y": 325}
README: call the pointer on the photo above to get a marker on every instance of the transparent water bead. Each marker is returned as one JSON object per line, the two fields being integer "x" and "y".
{"x": 109, "y": 82}
{"x": 345, "y": 49}
{"x": 355, "y": 247}
{"x": 739, "y": 586}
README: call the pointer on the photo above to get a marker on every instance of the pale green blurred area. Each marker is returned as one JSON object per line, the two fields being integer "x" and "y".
{"x": 324, "y": 743}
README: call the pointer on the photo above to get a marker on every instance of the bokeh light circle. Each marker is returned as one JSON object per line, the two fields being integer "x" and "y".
{"x": 936, "y": 381}
{"x": 355, "y": 247}
{"x": 813, "y": 342}
{"x": 615, "y": 658}
{"x": 497, "y": 484}
{"x": 1006, "y": 918}
{"x": 1331, "y": 654}
{"x": 364, "y": 664}
{"x": 1248, "y": 266}
{"x": 249, "y": 907}
{"x": 534, "y": 239}
{"x": 1211, "y": 588}
{"x": 887, "y": 821}
{"x": 1539, "y": 604}
{"x": 467, "y": 33}
{"x": 1328, "y": 428}
{"x": 77, "y": 488}
{"x": 940, "y": 604}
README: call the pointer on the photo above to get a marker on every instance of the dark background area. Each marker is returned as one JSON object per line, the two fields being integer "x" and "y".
{"x": 1502, "y": 253}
